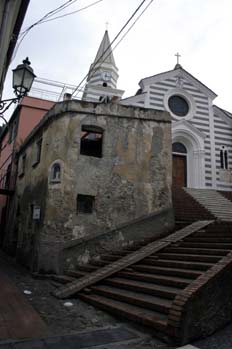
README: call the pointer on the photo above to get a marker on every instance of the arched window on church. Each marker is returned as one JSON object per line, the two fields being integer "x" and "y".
{"x": 224, "y": 158}
{"x": 55, "y": 174}
{"x": 179, "y": 148}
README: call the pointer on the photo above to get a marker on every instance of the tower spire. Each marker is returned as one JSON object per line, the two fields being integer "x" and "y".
{"x": 103, "y": 74}
{"x": 104, "y": 53}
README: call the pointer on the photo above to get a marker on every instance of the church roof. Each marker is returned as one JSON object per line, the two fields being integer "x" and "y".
{"x": 224, "y": 111}
{"x": 104, "y": 52}
{"x": 184, "y": 72}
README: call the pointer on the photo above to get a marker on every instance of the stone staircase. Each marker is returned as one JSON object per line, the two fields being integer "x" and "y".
{"x": 218, "y": 205}
{"x": 187, "y": 209}
{"x": 156, "y": 290}
{"x": 180, "y": 286}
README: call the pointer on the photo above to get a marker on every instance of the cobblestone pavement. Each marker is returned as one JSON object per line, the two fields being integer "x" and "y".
{"x": 79, "y": 317}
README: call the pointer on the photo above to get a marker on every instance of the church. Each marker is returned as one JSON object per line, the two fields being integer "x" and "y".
{"x": 201, "y": 131}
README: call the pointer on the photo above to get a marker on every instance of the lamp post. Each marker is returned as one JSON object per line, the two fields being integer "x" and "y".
{"x": 23, "y": 77}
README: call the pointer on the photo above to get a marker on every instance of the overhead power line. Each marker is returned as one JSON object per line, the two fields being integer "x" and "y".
{"x": 93, "y": 68}
{"x": 71, "y": 13}
{"x": 49, "y": 15}
{"x": 132, "y": 26}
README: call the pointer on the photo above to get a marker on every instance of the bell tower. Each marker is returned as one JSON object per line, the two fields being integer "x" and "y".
{"x": 103, "y": 75}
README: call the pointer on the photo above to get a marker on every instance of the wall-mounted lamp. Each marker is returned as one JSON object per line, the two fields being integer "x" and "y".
{"x": 23, "y": 77}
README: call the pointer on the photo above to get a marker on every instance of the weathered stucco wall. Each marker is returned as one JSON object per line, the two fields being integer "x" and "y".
{"x": 132, "y": 179}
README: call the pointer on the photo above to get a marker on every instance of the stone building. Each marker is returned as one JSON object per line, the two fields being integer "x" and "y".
{"x": 25, "y": 117}
{"x": 86, "y": 173}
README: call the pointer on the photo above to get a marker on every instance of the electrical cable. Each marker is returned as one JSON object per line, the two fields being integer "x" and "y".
{"x": 70, "y": 13}
{"x": 49, "y": 14}
{"x": 132, "y": 26}
{"x": 93, "y": 68}
{"x": 115, "y": 38}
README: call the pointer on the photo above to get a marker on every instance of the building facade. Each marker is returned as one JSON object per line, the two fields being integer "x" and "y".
{"x": 88, "y": 169}
{"x": 23, "y": 120}
{"x": 201, "y": 131}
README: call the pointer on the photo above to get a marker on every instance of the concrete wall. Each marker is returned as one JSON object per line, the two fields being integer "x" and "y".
{"x": 131, "y": 180}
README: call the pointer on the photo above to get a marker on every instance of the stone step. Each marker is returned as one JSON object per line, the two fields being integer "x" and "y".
{"x": 222, "y": 227}
{"x": 177, "y": 264}
{"x": 190, "y": 257}
{"x": 179, "y": 282}
{"x": 140, "y": 315}
{"x": 209, "y": 239}
{"x": 143, "y": 287}
{"x": 213, "y": 201}
{"x": 206, "y": 245}
{"x": 196, "y": 250}
{"x": 214, "y": 235}
{"x": 132, "y": 297}
{"x": 193, "y": 273}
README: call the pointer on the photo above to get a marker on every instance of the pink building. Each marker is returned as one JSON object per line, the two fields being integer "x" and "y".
{"x": 23, "y": 120}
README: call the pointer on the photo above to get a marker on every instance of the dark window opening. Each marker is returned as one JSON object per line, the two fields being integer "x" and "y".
{"x": 178, "y": 147}
{"x": 104, "y": 99}
{"x": 24, "y": 162}
{"x": 221, "y": 159}
{"x": 38, "y": 151}
{"x": 8, "y": 177}
{"x": 224, "y": 158}
{"x": 91, "y": 141}
{"x": 85, "y": 203}
{"x": 104, "y": 84}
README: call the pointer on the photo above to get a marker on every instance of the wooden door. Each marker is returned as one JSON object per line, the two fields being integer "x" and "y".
{"x": 179, "y": 170}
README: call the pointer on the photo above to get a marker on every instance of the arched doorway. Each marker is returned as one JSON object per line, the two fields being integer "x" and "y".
{"x": 188, "y": 155}
{"x": 179, "y": 164}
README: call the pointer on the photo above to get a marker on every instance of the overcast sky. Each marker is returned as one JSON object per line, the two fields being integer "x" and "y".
{"x": 200, "y": 30}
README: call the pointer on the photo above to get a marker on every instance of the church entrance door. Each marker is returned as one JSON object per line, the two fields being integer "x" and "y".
{"x": 179, "y": 175}
{"x": 179, "y": 165}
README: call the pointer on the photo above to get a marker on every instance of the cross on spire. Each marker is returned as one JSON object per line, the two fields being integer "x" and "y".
{"x": 107, "y": 24}
{"x": 178, "y": 56}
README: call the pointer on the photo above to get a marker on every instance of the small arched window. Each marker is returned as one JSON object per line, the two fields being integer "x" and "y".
{"x": 224, "y": 158}
{"x": 55, "y": 176}
{"x": 178, "y": 147}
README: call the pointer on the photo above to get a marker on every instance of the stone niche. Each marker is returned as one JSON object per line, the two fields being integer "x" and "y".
{"x": 90, "y": 169}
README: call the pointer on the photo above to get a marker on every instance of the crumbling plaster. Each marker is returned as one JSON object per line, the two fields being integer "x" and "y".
{"x": 132, "y": 179}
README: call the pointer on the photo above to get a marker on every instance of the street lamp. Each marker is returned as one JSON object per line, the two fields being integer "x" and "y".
{"x": 23, "y": 77}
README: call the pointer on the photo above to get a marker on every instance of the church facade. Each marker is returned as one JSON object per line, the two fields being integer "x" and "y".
{"x": 201, "y": 131}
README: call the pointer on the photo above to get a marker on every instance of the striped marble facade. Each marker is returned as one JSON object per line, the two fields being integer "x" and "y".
{"x": 214, "y": 123}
